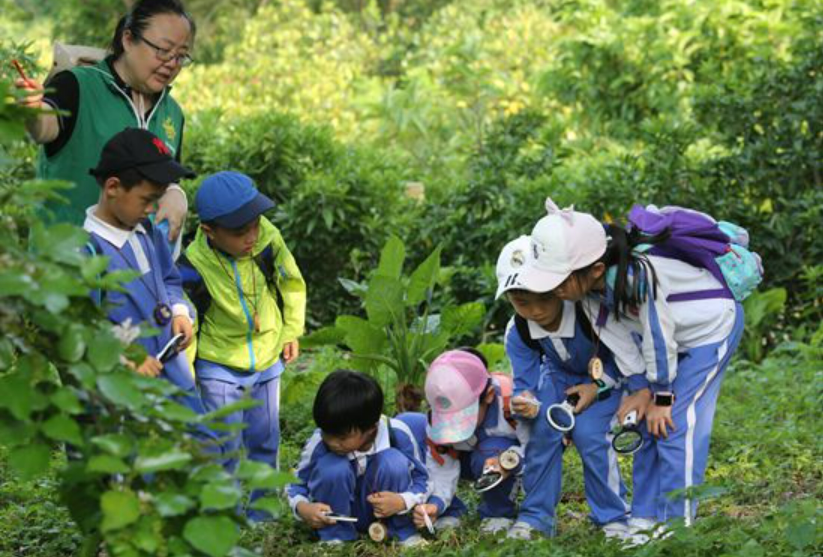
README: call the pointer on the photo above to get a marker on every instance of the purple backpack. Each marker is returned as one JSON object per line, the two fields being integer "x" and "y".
{"x": 699, "y": 240}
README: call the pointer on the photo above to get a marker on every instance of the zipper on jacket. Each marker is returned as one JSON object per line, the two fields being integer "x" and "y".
{"x": 249, "y": 318}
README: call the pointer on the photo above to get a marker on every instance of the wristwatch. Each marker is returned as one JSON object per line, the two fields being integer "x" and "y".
{"x": 509, "y": 460}
{"x": 603, "y": 390}
{"x": 664, "y": 399}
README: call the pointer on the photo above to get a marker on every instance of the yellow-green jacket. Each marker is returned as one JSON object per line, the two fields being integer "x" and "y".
{"x": 237, "y": 289}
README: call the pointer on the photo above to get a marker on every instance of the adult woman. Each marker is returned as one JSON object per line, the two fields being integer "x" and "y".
{"x": 129, "y": 88}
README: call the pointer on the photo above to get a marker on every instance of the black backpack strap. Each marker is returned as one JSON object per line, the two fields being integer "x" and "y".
{"x": 522, "y": 326}
{"x": 266, "y": 262}
{"x": 194, "y": 286}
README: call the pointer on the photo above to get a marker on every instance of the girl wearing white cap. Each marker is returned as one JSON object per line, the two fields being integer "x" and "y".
{"x": 549, "y": 343}
{"x": 673, "y": 348}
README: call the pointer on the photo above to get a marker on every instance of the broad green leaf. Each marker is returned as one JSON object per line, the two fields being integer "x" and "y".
{"x": 173, "y": 504}
{"x": 120, "y": 508}
{"x": 271, "y": 505}
{"x": 13, "y": 432}
{"x": 361, "y": 336}
{"x": 219, "y": 496}
{"x": 214, "y": 536}
{"x": 384, "y": 300}
{"x": 107, "y": 464}
{"x": 93, "y": 267}
{"x": 322, "y": 337}
{"x": 63, "y": 428}
{"x": 495, "y": 354}
{"x": 72, "y": 344}
{"x": 355, "y": 288}
{"x": 209, "y": 473}
{"x": 120, "y": 389}
{"x": 30, "y": 461}
{"x": 259, "y": 475}
{"x": 20, "y": 397}
{"x": 172, "y": 459}
{"x": 84, "y": 373}
{"x": 6, "y": 354}
{"x": 15, "y": 282}
{"x": 801, "y": 533}
{"x": 391, "y": 258}
{"x": 115, "y": 444}
{"x": 66, "y": 400}
{"x": 104, "y": 352}
{"x": 462, "y": 320}
{"x": 147, "y": 535}
{"x": 423, "y": 278}
{"x": 176, "y": 412}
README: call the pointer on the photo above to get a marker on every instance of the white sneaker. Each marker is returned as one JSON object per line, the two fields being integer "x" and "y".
{"x": 446, "y": 522}
{"x": 331, "y": 542}
{"x": 638, "y": 524}
{"x": 415, "y": 540}
{"x": 495, "y": 525}
{"x": 618, "y": 530}
{"x": 521, "y": 531}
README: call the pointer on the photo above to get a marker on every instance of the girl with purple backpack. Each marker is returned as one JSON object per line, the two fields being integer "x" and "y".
{"x": 671, "y": 320}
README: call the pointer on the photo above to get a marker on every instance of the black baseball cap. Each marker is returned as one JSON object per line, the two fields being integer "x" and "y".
{"x": 141, "y": 150}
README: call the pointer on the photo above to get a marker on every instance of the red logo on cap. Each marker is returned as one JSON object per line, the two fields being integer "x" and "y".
{"x": 161, "y": 147}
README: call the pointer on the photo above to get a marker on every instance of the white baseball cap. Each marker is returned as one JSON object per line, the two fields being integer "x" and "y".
{"x": 561, "y": 242}
{"x": 510, "y": 264}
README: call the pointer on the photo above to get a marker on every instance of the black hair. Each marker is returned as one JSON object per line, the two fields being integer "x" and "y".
{"x": 542, "y": 295}
{"x": 620, "y": 252}
{"x": 137, "y": 20}
{"x": 128, "y": 179}
{"x": 347, "y": 401}
{"x": 475, "y": 352}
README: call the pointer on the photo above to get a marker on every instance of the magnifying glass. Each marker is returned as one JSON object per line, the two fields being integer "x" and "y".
{"x": 488, "y": 480}
{"x": 628, "y": 439}
{"x": 561, "y": 416}
{"x": 427, "y": 519}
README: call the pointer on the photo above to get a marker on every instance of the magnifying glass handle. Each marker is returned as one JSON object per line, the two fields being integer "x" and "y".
{"x": 630, "y": 419}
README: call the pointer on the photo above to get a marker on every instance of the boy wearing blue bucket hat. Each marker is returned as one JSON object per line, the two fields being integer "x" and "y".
{"x": 250, "y": 298}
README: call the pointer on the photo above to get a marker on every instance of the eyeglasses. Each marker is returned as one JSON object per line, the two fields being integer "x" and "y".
{"x": 166, "y": 55}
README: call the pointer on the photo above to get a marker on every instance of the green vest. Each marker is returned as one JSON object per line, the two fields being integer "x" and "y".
{"x": 103, "y": 111}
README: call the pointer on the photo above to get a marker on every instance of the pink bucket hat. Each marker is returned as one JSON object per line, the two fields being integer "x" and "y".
{"x": 562, "y": 242}
{"x": 454, "y": 383}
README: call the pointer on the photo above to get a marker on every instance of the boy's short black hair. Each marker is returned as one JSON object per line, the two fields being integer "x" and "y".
{"x": 128, "y": 179}
{"x": 347, "y": 401}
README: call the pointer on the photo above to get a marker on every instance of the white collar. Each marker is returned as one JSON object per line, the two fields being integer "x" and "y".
{"x": 382, "y": 441}
{"x": 564, "y": 330}
{"x": 115, "y": 236}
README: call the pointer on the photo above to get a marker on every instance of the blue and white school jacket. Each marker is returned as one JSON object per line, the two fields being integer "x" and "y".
{"x": 145, "y": 250}
{"x": 646, "y": 342}
{"x": 566, "y": 350}
{"x": 444, "y": 465}
{"x": 399, "y": 437}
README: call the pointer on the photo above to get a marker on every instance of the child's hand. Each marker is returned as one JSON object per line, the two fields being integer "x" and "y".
{"x": 182, "y": 324}
{"x": 587, "y": 393}
{"x": 33, "y": 90}
{"x": 386, "y": 503}
{"x": 290, "y": 351}
{"x": 151, "y": 367}
{"x": 656, "y": 419}
{"x": 526, "y": 405}
{"x": 314, "y": 514}
{"x": 493, "y": 463}
{"x": 638, "y": 401}
{"x": 420, "y": 510}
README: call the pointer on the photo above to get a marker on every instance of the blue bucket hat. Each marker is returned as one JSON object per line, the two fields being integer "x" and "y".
{"x": 230, "y": 200}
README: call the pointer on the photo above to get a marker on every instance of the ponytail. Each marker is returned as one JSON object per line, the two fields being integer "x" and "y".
{"x": 137, "y": 20}
{"x": 630, "y": 265}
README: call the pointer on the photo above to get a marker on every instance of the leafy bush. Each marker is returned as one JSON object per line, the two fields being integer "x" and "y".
{"x": 396, "y": 335}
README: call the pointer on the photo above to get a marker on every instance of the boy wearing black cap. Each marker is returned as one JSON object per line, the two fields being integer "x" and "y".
{"x": 250, "y": 298}
{"x": 134, "y": 170}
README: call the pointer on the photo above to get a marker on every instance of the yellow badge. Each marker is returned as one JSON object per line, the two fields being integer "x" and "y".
{"x": 168, "y": 127}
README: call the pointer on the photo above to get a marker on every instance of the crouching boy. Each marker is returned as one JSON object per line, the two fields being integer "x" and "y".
{"x": 357, "y": 464}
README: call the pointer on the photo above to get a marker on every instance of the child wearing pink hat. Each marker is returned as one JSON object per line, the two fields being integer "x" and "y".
{"x": 469, "y": 432}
